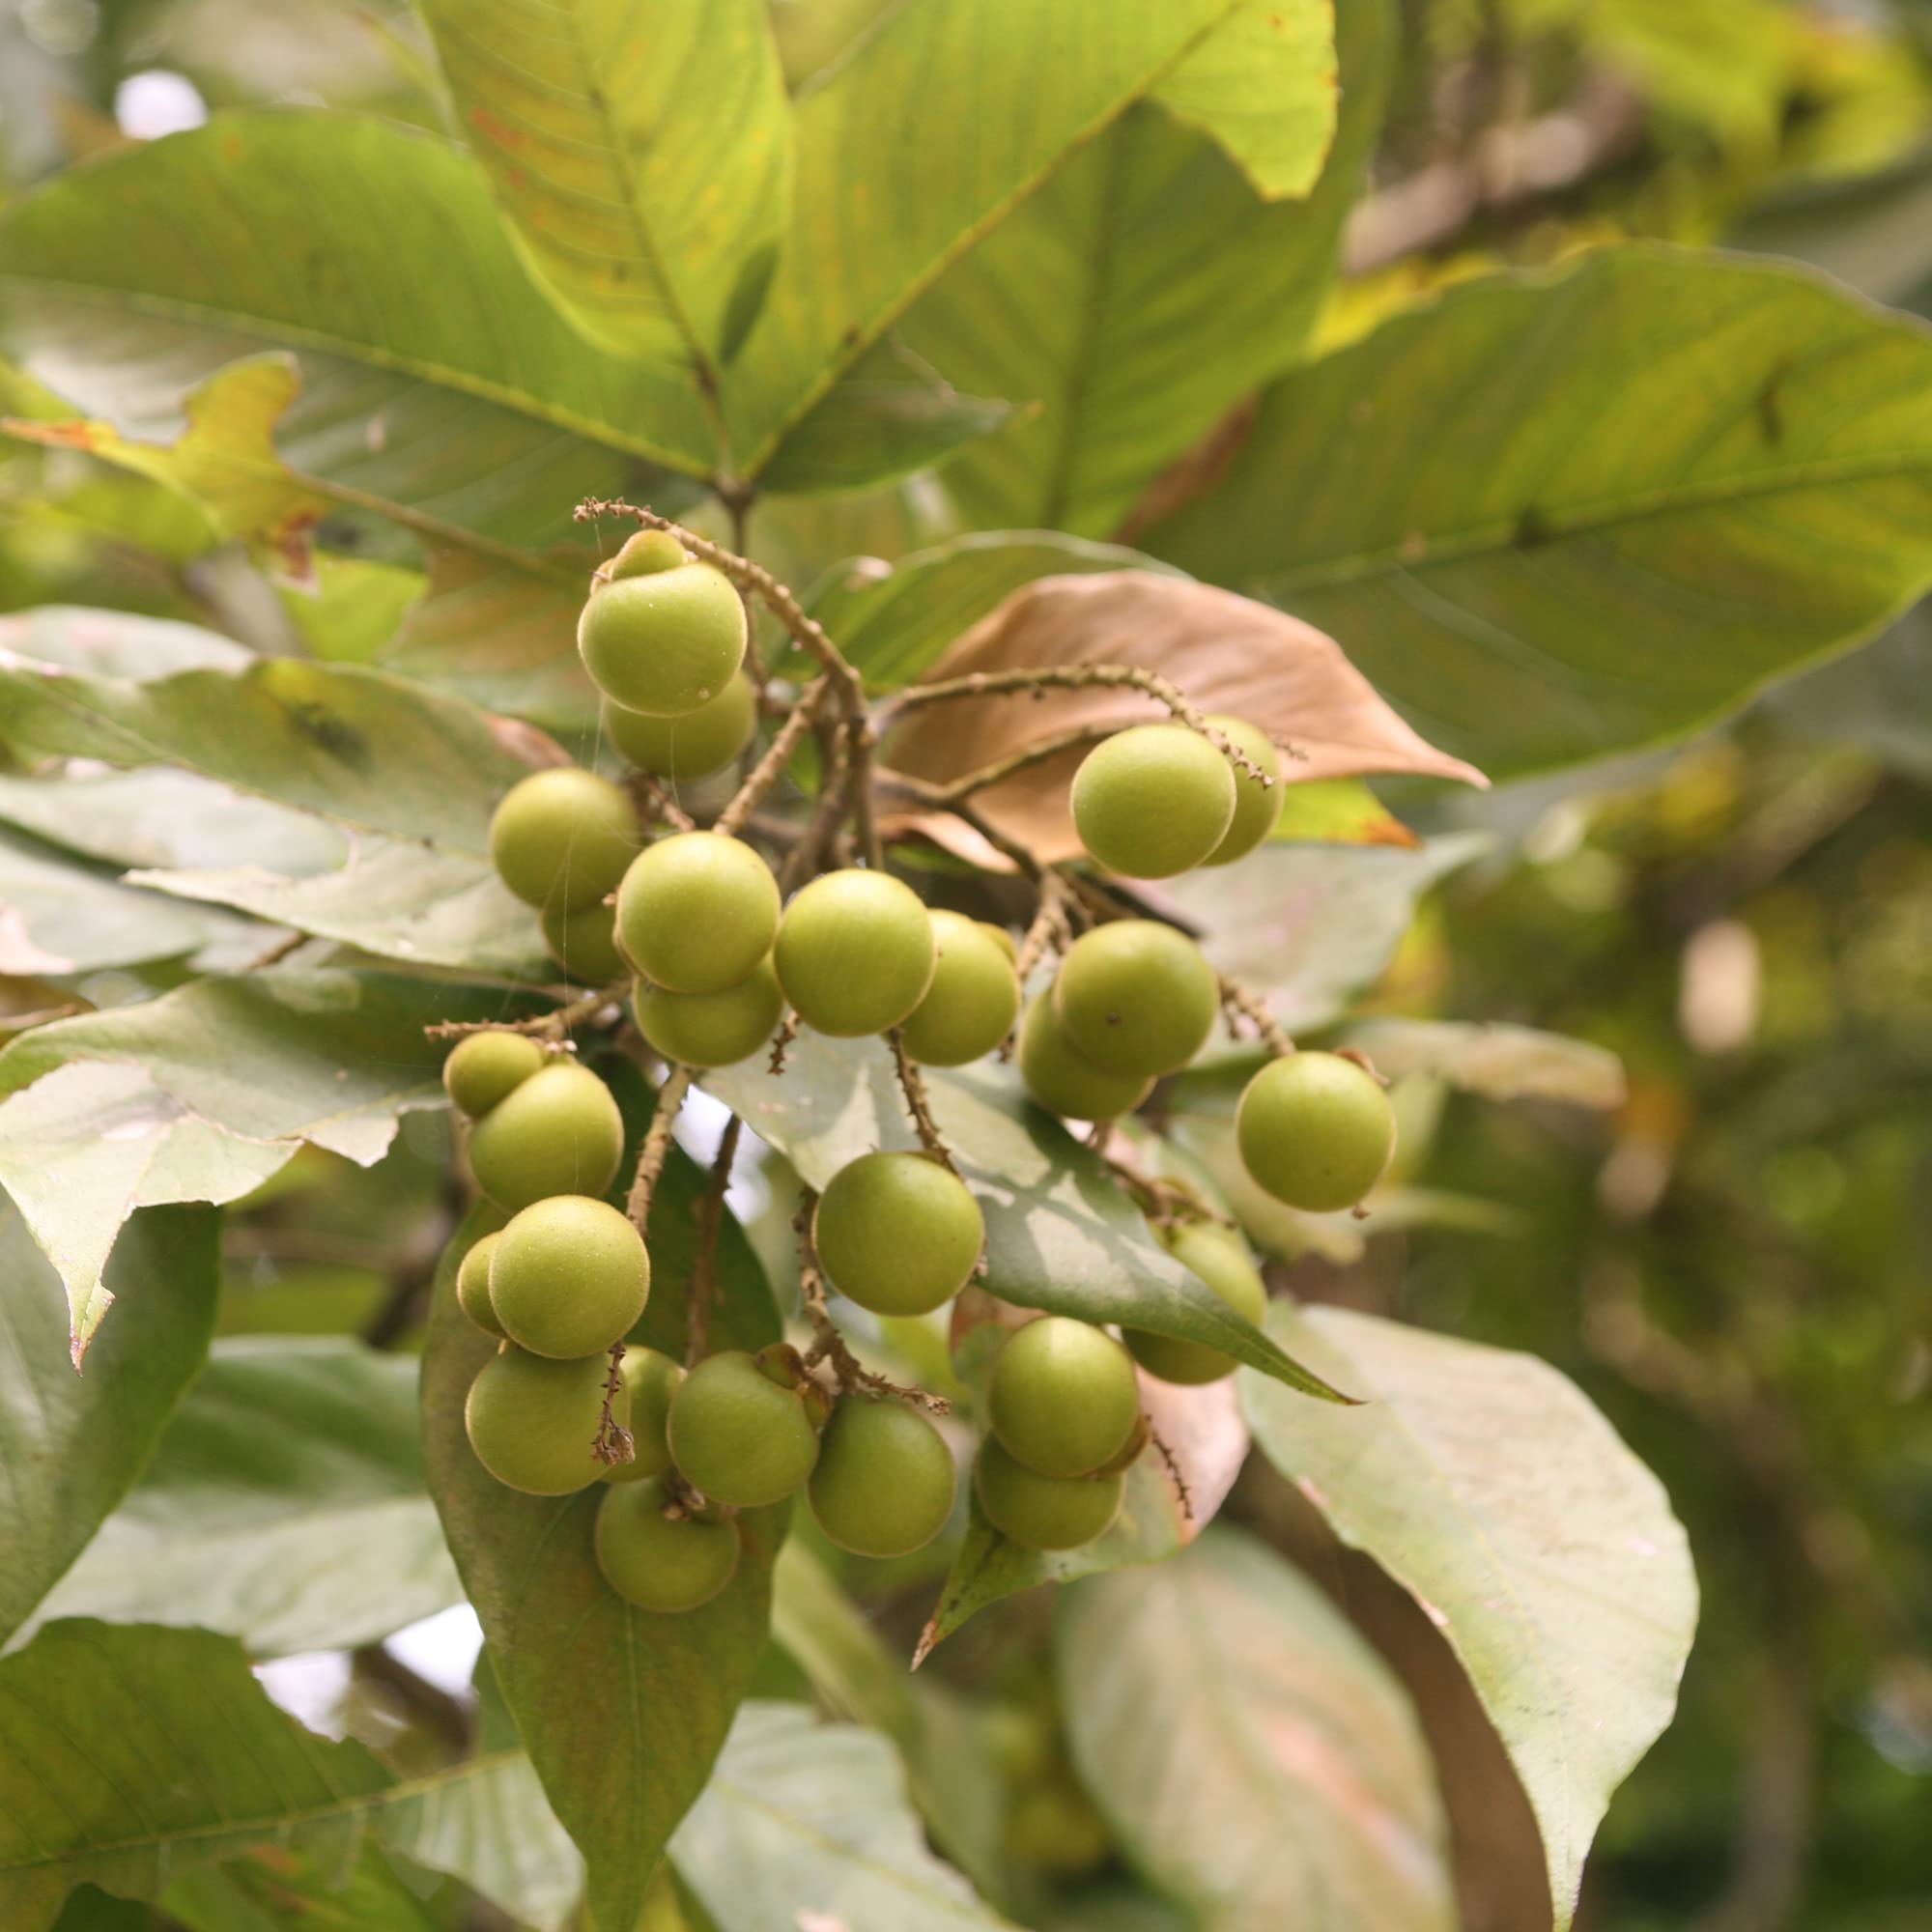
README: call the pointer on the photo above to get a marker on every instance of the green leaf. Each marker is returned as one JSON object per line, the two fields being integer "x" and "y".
{"x": 1252, "y": 1752}
{"x": 73, "y": 1444}
{"x": 269, "y": 1889}
{"x": 1060, "y": 1234}
{"x": 1630, "y": 494}
{"x": 130, "y": 1756}
{"x": 285, "y": 1505}
{"x": 1486, "y": 1484}
{"x": 807, "y": 1824}
{"x": 621, "y": 1710}
{"x": 1497, "y": 1060}
{"x": 641, "y": 153}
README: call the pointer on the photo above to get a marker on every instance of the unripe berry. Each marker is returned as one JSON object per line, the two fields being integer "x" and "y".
{"x": 1153, "y": 801}
{"x": 1136, "y": 998}
{"x": 1065, "y": 1082}
{"x": 970, "y": 1007}
{"x": 1063, "y": 1397}
{"x": 897, "y": 1232}
{"x": 855, "y": 953}
{"x": 485, "y": 1067}
{"x": 666, "y": 642}
{"x": 737, "y": 1435}
{"x": 473, "y": 1287}
{"x": 884, "y": 1482}
{"x": 1315, "y": 1130}
{"x": 585, "y": 944}
{"x": 1043, "y": 1512}
{"x": 697, "y": 911}
{"x": 570, "y": 1275}
{"x": 651, "y": 1379}
{"x": 712, "y": 1029}
{"x": 661, "y": 1563}
{"x": 534, "y": 1422}
{"x": 1001, "y": 938}
{"x": 1256, "y": 807}
{"x": 691, "y": 746}
{"x": 558, "y": 1133}
{"x": 562, "y": 837}
{"x": 1221, "y": 1259}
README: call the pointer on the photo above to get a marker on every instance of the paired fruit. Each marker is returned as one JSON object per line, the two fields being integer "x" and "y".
{"x": 712, "y": 1029}
{"x": 559, "y": 1133}
{"x": 659, "y": 1561}
{"x": 693, "y": 746}
{"x": 884, "y": 1482}
{"x": 1135, "y": 998}
{"x": 473, "y": 1287}
{"x": 585, "y": 944}
{"x": 1063, "y": 1081}
{"x": 660, "y": 633}
{"x": 697, "y": 911}
{"x": 1221, "y": 1259}
{"x": 1153, "y": 801}
{"x": 1043, "y": 1512}
{"x": 897, "y": 1234}
{"x": 855, "y": 953}
{"x": 486, "y": 1068}
{"x": 974, "y": 996}
{"x": 739, "y": 1437}
{"x": 1062, "y": 1398}
{"x": 1315, "y": 1130}
{"x": 534, "y": 1422}
{"x": 562, "y": 837}
{"x": 1256, "y": 807}
{"x": 569, "y": 1276}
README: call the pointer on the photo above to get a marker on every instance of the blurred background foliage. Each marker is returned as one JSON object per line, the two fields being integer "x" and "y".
{"x": 1734, "y": 1264}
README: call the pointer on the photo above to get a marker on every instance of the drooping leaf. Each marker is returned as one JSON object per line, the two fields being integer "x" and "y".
{"x": 1630, "y": 494}
{"x": 285, "y": 1504}
{"x": 1497, "y": 1060}
{"x": 1252, "y": 1752}
{"x": 72, "y": 1445}
{"x": 1338, "y": 812}
{"x": 269, "y": 1888}
{"x": 641, "y": 153}
{"x": 1488, "y": 1485}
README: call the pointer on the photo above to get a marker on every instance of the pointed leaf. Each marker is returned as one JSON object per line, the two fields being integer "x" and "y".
{"x": 1495, "y": 1060}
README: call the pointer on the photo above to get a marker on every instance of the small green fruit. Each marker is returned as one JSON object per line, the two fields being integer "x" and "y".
{"x": 1221, "y": 1259}
{"x": 1043, "y": 1512}
{"x": 666, "y": 642}
{"x": 534, "y": 1422}
{"x": 691, "y": 747}
{"x": 1136, "y": 998}
{"x": 562, "y": 837}
{"x": 661, "y": 1562}
{"x": 855, "y": 953}
{"x": 970, "y": 1007}
{"x": 558, "y": 1133}
{"x": 651, "y": 1379}
{"x": 1315, "y": 1130}
{"x": 1153, "y": 801}
{"x": 897, "y": 1234}
{"x": 486, "y": 1068}
{"x": 1063, "y": 1081}
{"x": 1063, "y": 1397}
{"x": 1257, "y": 807}
{"x": 1001, "y": 938}
{"x": 585, "y": 944}
{"x": 712, "y": 1029}
{"x": 739, "y": 1437}
{"x": 473, "y": 1287}
{"x": 644, "y": 554}
{"x": 697, "y": 911}
{"x": 570, "y": 1275}
{"x": 884, "y": 1482}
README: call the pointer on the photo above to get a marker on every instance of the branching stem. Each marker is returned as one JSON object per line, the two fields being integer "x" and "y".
{"x": 656, "y": 1150}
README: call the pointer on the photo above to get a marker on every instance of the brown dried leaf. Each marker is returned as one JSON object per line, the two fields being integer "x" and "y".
{"x": 1227, "y": 653}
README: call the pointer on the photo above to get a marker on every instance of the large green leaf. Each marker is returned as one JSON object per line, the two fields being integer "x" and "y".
{"x": 271, "y": 1888}
{"x": 285, "y": 1503}
{"x": 642, "y": 152}
{"x": 131, "y": 1755}
{"x": 1252, "y": 1752}
{"x": 622, "y": 1712}
{"x": 74, "y": 1444}
{"x": 1559, "y": 516}
{"x": 1487, "y": 1485}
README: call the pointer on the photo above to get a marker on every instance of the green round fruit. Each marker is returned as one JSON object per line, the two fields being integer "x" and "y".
{"x": 570, "y": 1275}
{"x": 855, "y": 953}
{"x": 473, "y": 1287}
{"x": 1315, "y": 1130}
{"x": 1257, "y": 807}
{"x": 1153, "y": 801}
{"x": 650, "y": 1378}
{"x": 712, "y": 1029}
{"x": 737, "y": 1435}
{"x": 1065, "y": 1082}
{"x": 1136, "y": 998}
{"x": 559, "y": 1133}
{"x": 562, "y": 837}
{"x": 486, "y": 1068}
{"x": 585, "y": 944}
{"x": 697, "y": 911}
{"x": 970, "y": 1007}
{"x": 1062, "y": 1398}
{"x": 1221, "y": 1259}
{"x": 1043, "y": 1512}
{"x": 1001, "y": 938}
{"x": 534, "y": 1422}
{"x": 884, "y": 1482}
{"x": 666, "y": 642}
{"x": 644, "y": 554}
{"x": 897, "y": 1234}
{"x": 691, "y": 746}
{"x": 658, "y": 1562}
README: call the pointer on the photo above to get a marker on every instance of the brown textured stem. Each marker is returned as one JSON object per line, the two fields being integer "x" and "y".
{"x": 1252, "y": 1007}
{"x": 655, "y": 804}
{"x": 704, "y": 1264}
{"x": 656, "y": 1150}
{"x": 553, "y": 1025}
{"x": 912, "y": 1083}
{"x": 765, "y": 773}
{"x": 950, "y": 791}
{"x": 613, "y": 1444}
{"x": 930, "y": 797}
